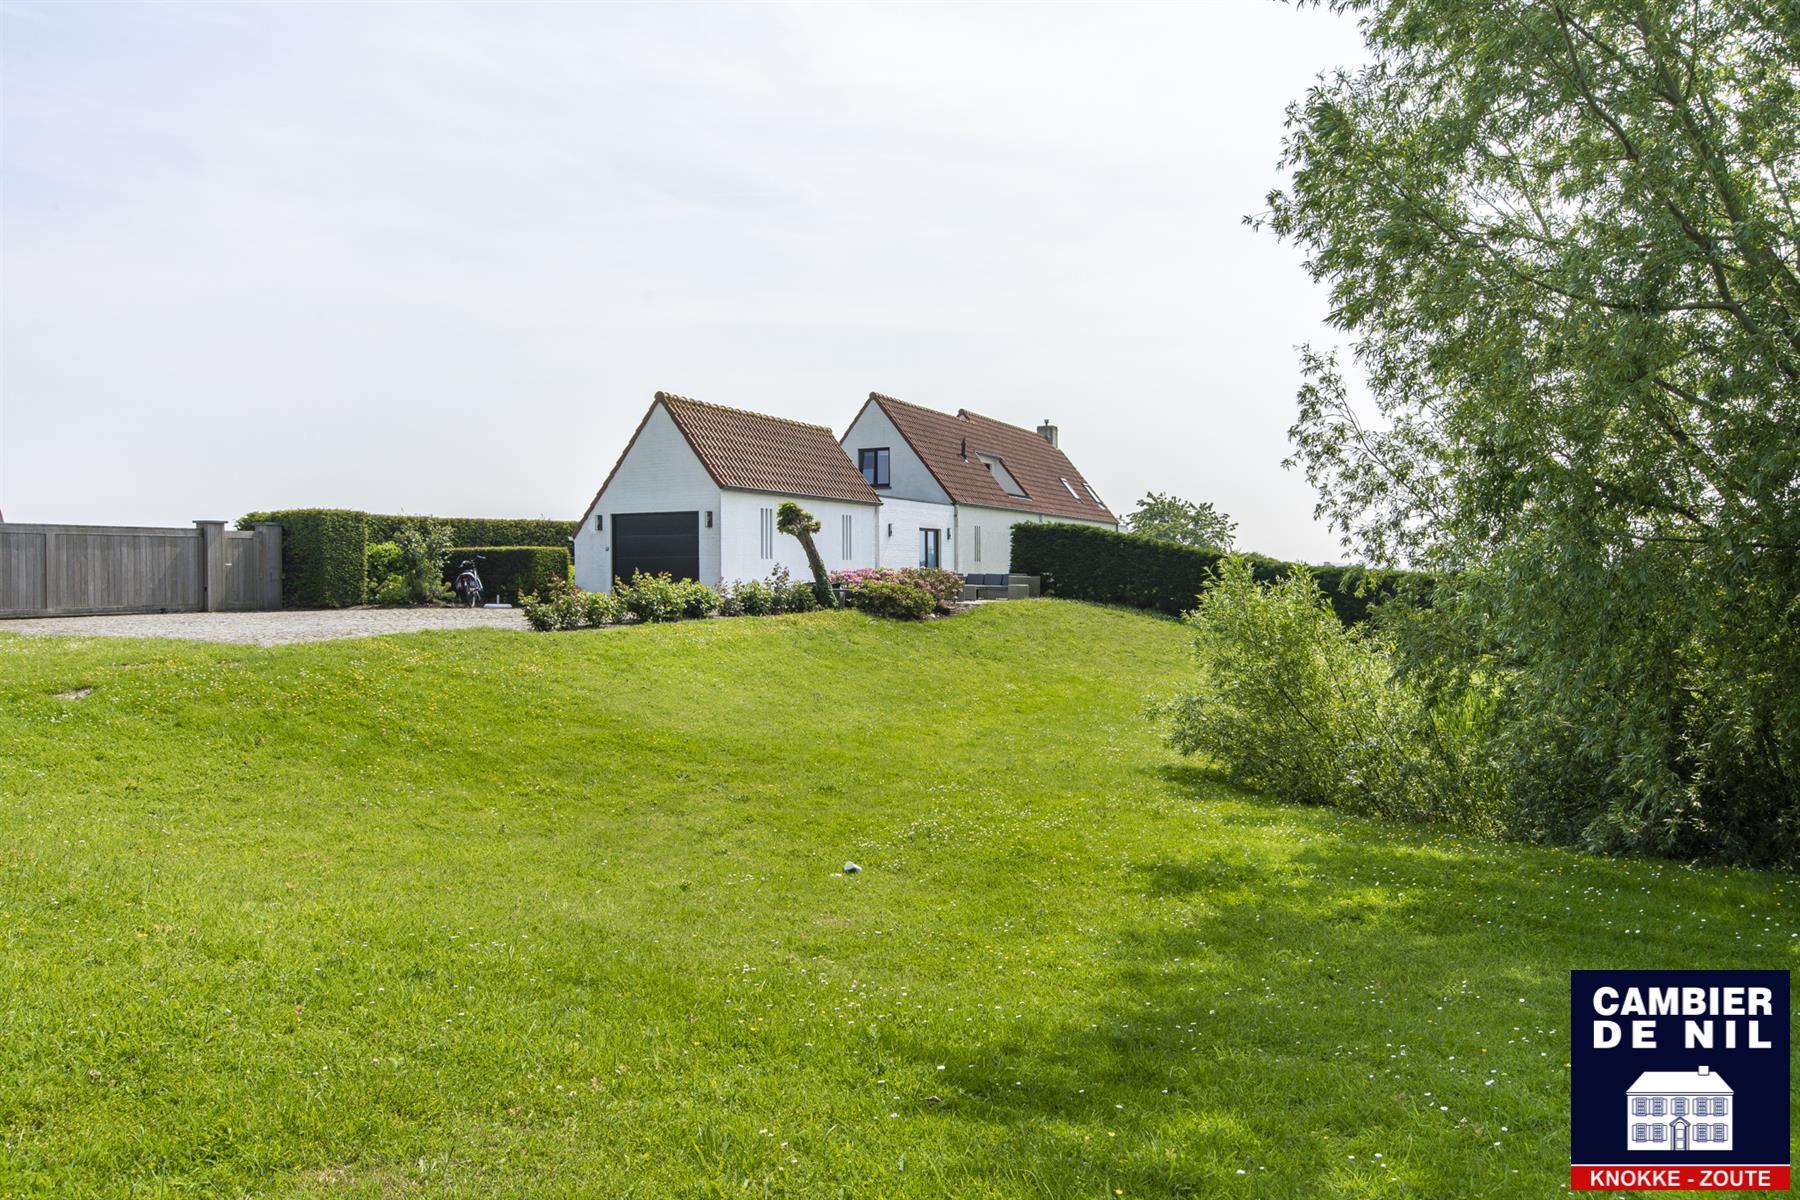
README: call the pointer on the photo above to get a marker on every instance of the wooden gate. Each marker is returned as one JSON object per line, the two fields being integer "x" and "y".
{"x": 84, "y": 570}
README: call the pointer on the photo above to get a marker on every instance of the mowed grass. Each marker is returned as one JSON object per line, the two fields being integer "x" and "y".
{"x": 510, "y": 915}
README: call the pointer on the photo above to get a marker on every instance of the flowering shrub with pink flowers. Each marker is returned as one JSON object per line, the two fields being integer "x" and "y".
{"x": 944, "y": 587}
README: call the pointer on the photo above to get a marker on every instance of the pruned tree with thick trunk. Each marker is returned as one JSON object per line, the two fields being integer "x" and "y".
{"x": 796, "y": 522}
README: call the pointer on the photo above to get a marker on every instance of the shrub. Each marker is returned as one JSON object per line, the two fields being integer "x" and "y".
{"x": 423, "y": 551}
{"x": 755, "y": 598}
{"x": 787, "y": 596}
{"x": 891, "y": 598}
{"x": 539, "y": 613}
{"x": 393, "y": 592}
{"x": 1086, "y": 562}
{"x": 600, "y": 608}
{"x": 652, "y": 597}
{"x": 796, "y": 597}
{"x": 696, "y": 599}
{"x": 1291, "y": 702}
{"x": 323, "y": 553}
{"x": 562, "y": 606}
{"x": 508, "y": 572}
{"x": 383, "y": 559}
{"x": 944, "y": 587}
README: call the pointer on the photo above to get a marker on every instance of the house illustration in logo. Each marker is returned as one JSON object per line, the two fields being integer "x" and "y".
{"x": 1678, "y": 1110}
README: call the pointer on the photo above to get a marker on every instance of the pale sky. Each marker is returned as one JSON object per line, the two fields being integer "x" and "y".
{"x": 429, "y": 258}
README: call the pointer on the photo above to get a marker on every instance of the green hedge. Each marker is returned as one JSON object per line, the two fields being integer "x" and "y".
{"x": 322, "y": 555}
{"x": 479, "y": 531}
{"x": 325, "y": 550}
{"x": 1085, "y": 562}
{"x": 508, "y": 572}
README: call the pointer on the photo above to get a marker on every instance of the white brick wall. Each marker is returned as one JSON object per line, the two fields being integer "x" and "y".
{"x": 741, "y": 536}
{"x": 996, "y": 536}
{"x": 905, "y": 518}
{"x": 660, "y": 474}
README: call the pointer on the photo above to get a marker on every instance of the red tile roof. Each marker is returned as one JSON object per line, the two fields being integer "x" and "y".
{"x": 951, "y": 445}
{"x": 757, "y": 453}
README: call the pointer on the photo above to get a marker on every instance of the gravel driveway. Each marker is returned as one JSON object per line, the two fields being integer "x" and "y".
{"x": 272, "y": 628}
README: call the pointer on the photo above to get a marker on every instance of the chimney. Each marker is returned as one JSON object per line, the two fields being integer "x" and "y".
{"x": 1704, "y": 1071}
{"x": 1048, "y": 430}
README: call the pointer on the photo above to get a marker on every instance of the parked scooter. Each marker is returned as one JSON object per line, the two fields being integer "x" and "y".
{"x": 468, "y": 584}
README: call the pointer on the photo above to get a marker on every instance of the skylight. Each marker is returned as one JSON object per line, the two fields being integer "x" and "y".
{"x": 1072, "y": 492}
{"x": 1002, "y": 476}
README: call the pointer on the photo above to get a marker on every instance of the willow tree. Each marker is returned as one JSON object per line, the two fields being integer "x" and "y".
{"x": 796, "y": 522}
{"x": 1562, "y": 239}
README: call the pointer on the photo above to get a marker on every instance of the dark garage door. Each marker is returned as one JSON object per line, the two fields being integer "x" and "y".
{"x": 656, "y": 542}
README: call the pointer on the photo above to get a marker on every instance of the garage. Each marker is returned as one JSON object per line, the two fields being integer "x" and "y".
{"x": 655, "y": 543}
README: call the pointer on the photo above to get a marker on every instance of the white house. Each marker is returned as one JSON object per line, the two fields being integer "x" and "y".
{"x": 952, "y": 486}
{"x": 695, "y": 494}
{"x": 1678, "y": 1110}
{"x": 696, "y": 490}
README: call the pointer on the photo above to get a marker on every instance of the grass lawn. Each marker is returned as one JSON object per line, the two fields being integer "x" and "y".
{"x": 511, "y": 915}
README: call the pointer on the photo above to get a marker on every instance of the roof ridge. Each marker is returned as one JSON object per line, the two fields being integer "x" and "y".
{"x": 881, "y": 397}
{"x": 971, "y": 415}
{"x": 675, "y": 397}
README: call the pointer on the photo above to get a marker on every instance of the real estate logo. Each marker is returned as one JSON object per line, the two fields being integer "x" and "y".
{"x": 1678, "y": 1080}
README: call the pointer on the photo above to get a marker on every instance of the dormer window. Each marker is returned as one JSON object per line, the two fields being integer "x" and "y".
{"x": 1002, "y": 476}
{"x": 874, "y": 466}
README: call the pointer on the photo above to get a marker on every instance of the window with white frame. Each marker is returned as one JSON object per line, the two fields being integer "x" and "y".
{"x": 768, "y": 531}
{"x": 1700, "y": 1132}
{"x": 1718, "y": 1133}
{"x": 847, "y": 520}
{"x": 1681, "y": 1106}
{"x": 1657, "y": 1107}
{"x": 1659, "y": 1133}
{"x": 1640, "y": 1132}
{"x": 1720, "y": 1107}
{"x": 1640, "y": 1106}
{"x": 977, "y": 543}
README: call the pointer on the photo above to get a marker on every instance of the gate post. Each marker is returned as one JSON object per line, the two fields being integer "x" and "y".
{"x": 212, "y": 565}
{"x": 268, "y": 549}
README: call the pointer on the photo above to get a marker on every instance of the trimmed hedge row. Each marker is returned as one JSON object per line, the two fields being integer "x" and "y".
{"x": 1085, "y": 562}
{"x": 324, "y": 555}
{"x": 508, "y": 572}
{"x": 323, "y": 551}
{"x": 498, "y": 532}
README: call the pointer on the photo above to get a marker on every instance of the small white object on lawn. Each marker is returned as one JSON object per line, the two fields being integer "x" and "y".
{"x": 851, "y": 868}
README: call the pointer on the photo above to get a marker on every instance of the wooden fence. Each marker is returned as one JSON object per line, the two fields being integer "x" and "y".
{"x": 84, "y": 570}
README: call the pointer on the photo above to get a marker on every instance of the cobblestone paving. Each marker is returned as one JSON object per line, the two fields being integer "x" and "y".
{"x": 271, "y": 628}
